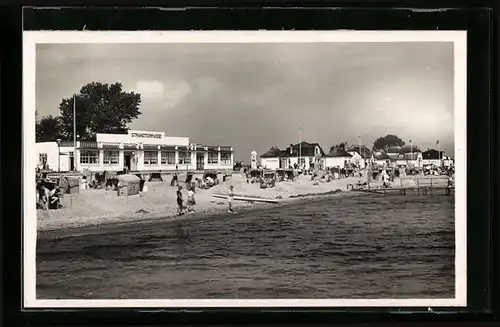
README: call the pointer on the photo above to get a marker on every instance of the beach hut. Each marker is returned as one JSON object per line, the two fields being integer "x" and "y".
{"x": 128, "y": 185}
{"x": 70, "y": 184}
{"x": 268, "y": 180}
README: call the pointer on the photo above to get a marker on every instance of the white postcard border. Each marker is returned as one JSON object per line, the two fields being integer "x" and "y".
{"x": 31, "y": 38}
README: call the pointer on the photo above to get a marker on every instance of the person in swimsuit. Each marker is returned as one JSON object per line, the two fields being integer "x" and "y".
{"x": 230, "y": 196}
{"x": 180, "y": 207}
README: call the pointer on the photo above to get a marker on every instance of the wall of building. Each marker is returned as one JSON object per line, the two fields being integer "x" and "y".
{"x": 66, "y": 154}
{"x": 49, "y": 150}
{"x": 357, "y": 159}
{"x": 437, "y": 162}
{"x": 274, "y": 163}
{"x": 336, "y": 161}
{"x": 140, "y": 165}
{"x": 270, "y": 163}
{"x": 144, "y": 137}
{"x": 63, "y": 160}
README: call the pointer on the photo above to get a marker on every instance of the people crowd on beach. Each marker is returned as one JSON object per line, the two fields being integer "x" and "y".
{"x": 48, "y": 199}
{"x": 190, "y": 203}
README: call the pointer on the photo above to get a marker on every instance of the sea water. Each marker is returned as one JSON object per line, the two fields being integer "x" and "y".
{"x": 369, "y": 246}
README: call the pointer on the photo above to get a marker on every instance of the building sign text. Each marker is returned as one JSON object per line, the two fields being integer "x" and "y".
{"x": 146, "y": 135}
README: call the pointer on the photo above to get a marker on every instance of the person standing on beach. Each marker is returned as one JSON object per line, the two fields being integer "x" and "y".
{"x": 190, "y": 201}
{"x": 230, "y": 196}
{"x": 180, "y": 208}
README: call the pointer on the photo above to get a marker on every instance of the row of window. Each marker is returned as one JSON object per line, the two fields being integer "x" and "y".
{"x": 151, "y": 157}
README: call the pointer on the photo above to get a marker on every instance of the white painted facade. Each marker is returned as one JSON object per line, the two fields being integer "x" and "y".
{"x": 357, "y": 159}
{"x": 340, "y": 162}
{"x": 46, "y": 153}
{"x": 286, "y": 162}
{"x": 436, "y": 162}
{"x": 139, "y": 151}
{"x": 270, "y": 163}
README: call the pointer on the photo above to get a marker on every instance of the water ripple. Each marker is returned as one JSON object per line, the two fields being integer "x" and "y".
{"x": 369, "y": 246}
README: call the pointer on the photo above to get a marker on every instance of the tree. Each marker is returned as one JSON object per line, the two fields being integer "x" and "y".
{"x": 387, "y": 141}
{"x": 342, "y": 146}
{"x": 48, "y": 129}
{"x": 100, "y": 108}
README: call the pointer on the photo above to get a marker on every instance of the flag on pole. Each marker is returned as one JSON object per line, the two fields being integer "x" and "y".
{"x": 437, "y": 142}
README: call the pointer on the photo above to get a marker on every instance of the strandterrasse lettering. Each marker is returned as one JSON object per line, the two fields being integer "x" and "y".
{"x": 146, "y": 135}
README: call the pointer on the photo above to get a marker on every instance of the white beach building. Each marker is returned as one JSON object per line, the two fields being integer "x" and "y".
{"x": 303, "y": 155}
{"x": 381, "y": 158}
{"x": 436, "y": 158}
{"x": 405, "y": 156}
{"x": 139, "y": 151}
{"x": 361, "y": 156}
{"x": 337, "y": 158}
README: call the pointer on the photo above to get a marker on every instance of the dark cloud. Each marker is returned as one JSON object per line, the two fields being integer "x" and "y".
{"x": 254, "y": 96}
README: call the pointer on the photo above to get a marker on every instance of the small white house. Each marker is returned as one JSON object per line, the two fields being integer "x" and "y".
{"x": 436, "y": 158}
{"x": 361, "y": 155}
{"x": 273, "y": 159}
{"x": 337, "y": 158}
{"x": 404, "y": 156}
{"x": 381, "y": 158}
{"x": 301, "y": 155}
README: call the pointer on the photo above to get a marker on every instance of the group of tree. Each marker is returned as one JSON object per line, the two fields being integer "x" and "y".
{"x": 99, "y": 107}
{"x": 381, "y": 143}
{"x": 341, "y": 145}
{"x": 388, "y": 141}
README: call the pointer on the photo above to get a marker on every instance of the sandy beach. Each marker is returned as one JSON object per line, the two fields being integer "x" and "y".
{"x": 93, "y": 207}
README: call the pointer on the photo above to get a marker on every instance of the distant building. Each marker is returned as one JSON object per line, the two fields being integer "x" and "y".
{"x": 304, "y": 155}
{"x": 337, "y": 158}
{"x": 436, "y": 158}
{"x": 405, "y": 156}
{"x": 360, "y": 155}
{"x": 139, "y": 151}
{"x": 381, "y": 158}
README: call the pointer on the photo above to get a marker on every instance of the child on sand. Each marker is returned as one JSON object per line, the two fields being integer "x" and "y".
{"x": 230, "y": 196}
{"x": 180, "y": 208}
{"x": 190, "y": 201}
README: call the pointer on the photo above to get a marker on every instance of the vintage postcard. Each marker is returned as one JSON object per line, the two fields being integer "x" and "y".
{"x": 244, "y": 169}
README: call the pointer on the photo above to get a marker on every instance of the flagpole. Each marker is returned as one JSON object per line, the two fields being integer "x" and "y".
{"x": 74, "y": 120}
{"x": 300, "y": 145}
{"x": 411, "y": 152}
{"x": 439, "y": 152}
{"x": 359, "y": 150}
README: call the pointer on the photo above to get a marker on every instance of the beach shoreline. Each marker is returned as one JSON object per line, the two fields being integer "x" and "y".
{"x": 126, "y": 220}
{"x": 98, "y": 208}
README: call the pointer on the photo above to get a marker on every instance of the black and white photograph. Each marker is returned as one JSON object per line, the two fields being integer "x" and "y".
{"x": 238, "y": 168}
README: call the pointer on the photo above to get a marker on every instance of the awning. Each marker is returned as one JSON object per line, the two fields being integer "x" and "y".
{"x": 88, "y": 145}
{"x": 150, "y": 147}
{"x": 110, "y": 146}
{"x": 130, "y": 146}
{"x": 67, "y": 144}
{"x": 167, "y": 147}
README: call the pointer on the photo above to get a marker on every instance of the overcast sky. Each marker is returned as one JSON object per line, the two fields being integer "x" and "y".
{"x": 254, "y": 96}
